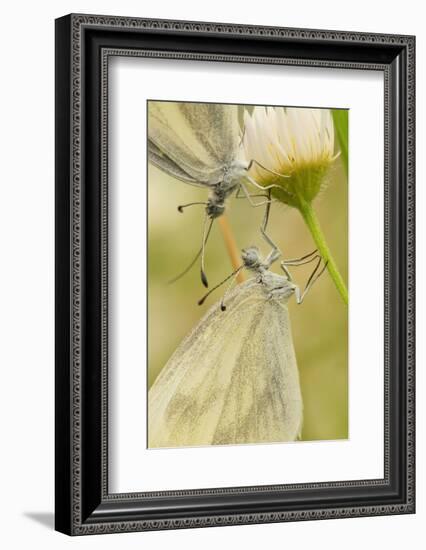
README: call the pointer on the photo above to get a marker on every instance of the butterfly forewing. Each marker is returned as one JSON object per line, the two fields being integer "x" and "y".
{"x": 170, "y": 131}
{"x": 263, "y": 402}
{"x": 216, "y": 127}
{"x": 162, "y": 161}
{"x": 200, "y": 139}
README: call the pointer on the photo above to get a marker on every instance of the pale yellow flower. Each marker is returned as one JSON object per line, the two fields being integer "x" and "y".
{"x": 294, "y": 142}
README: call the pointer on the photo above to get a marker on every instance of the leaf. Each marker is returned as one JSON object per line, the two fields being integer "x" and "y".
{"x": 341, "y": 119}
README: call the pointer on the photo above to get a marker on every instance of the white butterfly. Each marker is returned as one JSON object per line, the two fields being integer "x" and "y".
{"x": 234, "y": 378}
{"x": 200, "y": 144}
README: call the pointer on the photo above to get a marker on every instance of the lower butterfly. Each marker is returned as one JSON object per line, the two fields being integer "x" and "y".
{"x": 234, "y": 378}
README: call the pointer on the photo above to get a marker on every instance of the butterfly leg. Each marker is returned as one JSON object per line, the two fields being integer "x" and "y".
{"x": 272, "y": 255}
{"x": 263, "y": 187}
{"x": 298, "y": 261}
{"x": 239, "y": 196}
{"x": 249, "y": 196}
{"x": 289, "y": 197}
{"x": 254, "y": 161}
{"x": 315, "y": 275}
{"x": 275, "y": 253}
{"x": 302, "y": 260}
{"x": 286, "y": 271}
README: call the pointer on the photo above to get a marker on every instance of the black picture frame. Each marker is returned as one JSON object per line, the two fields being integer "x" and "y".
{"x": 83, "y": 45}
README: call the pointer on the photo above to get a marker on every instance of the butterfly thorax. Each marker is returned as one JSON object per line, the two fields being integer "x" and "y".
{"x": 276, "y": 287}
{"x": 233, "y": 174}
{"x": 231, "y": 179}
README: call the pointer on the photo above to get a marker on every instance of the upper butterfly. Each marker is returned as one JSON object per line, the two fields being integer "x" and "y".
{"x": 199, "y": 144}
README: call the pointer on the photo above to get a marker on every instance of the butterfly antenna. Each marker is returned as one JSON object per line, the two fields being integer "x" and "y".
{"x": 206, "y": 233}
{"x": 276, "y": 252}
{"x": 231, "y": 284}
{"x": 171, "y": 281}
{"x": 233, "y": 274}
{"x": 191, "y": 264}
{"x": 182, "y": 206}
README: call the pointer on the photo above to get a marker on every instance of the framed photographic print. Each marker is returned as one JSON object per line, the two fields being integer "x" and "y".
{"x": 234, "y": 274}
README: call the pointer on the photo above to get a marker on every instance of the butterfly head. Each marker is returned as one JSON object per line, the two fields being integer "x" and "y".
{"x": 251, "y": 258}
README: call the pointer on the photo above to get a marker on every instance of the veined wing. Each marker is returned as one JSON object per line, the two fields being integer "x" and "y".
{"x": 216, "y": 126}
{"x": 159, "y": 159}
{"x": 188, "y": 135}
{"x": 169, "y": 131}
{"x": 233, "y": 380}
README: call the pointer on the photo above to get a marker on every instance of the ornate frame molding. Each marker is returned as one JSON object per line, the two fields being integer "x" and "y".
{"x": 73, "y": 49}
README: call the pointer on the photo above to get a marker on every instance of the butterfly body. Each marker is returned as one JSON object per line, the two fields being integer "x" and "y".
{"x": 233, "y": 175}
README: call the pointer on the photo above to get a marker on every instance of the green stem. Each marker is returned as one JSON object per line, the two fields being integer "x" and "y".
{"x": 340, "y": 118}
{"x": 312, "y": 222}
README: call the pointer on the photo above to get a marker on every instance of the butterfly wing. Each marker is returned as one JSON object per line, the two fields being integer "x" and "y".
{"x": 165, "y": 163}
{"x": 216, "y": 127}
{"x": 195, "y": 137}
{"x": 234, "y": 379}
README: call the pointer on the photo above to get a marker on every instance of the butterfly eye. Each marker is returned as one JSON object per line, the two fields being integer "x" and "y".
{"x": 251, "y": 257}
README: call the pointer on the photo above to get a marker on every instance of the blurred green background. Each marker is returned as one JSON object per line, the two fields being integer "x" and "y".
{"x": 319, "y": 325}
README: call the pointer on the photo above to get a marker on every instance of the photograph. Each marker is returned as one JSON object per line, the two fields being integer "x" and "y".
{"x": 247, "y": 274}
